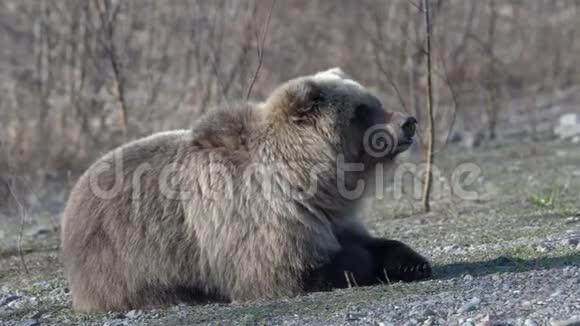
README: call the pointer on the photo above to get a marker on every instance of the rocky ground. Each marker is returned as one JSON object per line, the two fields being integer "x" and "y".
{"x": 511, "y": 256}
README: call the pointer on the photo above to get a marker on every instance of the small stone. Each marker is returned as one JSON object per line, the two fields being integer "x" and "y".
{"x": 428, "y": 313}
{"x": 556, "y": 293}
{"x": 116, "y": 323}
{"x": 573, "y": 219}
{"x": 249, "y": 319}
{"x": 16, "y": 304}
{"x": 6, "y": 300}
{"x": 412, "y": 321}
{"x": 530, "y": 322}
{"x": 449, "y": 248}
{"x": 485, "y": 321}
{"x": 134, "y": 314}
{"x": 470, "y": 306}
{"x": 468, "y": 278}
{"x": 574, "y": 321}
{"x": 354, "y": 317}
{"x": 40, "y": 232}
{"x": 36, "y": 315}
{"x": 572, "y": 242}
{"x": 541, "y": 249}
{"x": 568, "y": 126}
{"x": 119, "y": 315}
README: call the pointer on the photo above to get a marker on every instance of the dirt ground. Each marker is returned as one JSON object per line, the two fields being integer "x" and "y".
{"x": 508, "y": 257}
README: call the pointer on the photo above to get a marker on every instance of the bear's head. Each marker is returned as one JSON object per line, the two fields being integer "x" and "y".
{"x": 331, "y": 110}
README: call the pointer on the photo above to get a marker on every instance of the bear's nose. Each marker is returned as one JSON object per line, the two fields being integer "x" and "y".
{"x": 409, "y": 127}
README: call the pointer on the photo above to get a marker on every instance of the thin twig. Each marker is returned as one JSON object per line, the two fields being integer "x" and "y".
{"x": 347, "y": 277}
{"x": 52, "y": 218}
{"x": 260, "y": 49}
{"x": 430, "y": 122}
{"x": 108, "y": 14}
{"x": 219, "y": 81}
{"x": 380, "y": 43}
{"x": 391, "y": 81}
{"x": 386, "y": 276}
{"x": 445, "y": 77}
{"x": 22, "y": 212}
{"x": 353, "y": 279}
{"x": 416, "y": 5}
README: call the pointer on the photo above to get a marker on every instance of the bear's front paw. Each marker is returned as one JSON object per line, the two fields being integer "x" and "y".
{"x": 406, "y": 273}
{"x": 400, "y": 263}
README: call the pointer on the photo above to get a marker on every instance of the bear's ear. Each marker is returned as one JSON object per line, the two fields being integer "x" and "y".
{"x": 303, "y": 99}
{"x": 331, "y": 73}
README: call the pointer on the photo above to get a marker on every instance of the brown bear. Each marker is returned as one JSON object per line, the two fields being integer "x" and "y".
{"x": 256, "y": 202}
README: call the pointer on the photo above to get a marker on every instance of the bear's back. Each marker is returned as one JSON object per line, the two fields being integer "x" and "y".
{"x": 117, "y": 220}
{"x": 114, "y": 179}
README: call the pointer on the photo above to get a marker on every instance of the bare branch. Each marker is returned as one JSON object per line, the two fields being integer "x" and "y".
{"x": 430, "y": 122}
{"x": 22, "y": 213}
{"x": 445, "y": 77}
{"x": 380, "y": 43}
{"x": 260, "y": 49}
{"x": 108, "y": 13}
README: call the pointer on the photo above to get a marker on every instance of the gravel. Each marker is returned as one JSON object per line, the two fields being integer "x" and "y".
{"x": 133, "y": 314}
{"x": 542, "y": 296}
{"x": 574, "y": 321}
{"x": 7, "y": 300}
{"x": 472, "y": 305}
{"x": 501, "y": 261}
{"x": 32, "y": 323}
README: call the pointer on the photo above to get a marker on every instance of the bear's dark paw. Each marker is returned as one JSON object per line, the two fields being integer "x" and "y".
{"x": 406, "y": 273}
{"x": 352, "y": 266}
{"x": 398, "y": 262}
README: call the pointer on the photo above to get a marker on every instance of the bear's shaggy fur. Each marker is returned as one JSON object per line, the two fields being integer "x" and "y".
{"x": 252, "y": 203}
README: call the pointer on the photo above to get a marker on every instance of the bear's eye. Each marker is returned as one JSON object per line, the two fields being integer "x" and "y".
{"x": 363, "y": 109}
{"x": 367, "y": 115}
{"x": 363, "y": 115}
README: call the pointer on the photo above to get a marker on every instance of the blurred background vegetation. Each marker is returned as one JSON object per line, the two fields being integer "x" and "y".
{"x": 78, "y": 78}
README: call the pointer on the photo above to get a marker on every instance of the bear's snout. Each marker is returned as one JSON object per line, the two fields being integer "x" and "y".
{"x": 409, "y": 126}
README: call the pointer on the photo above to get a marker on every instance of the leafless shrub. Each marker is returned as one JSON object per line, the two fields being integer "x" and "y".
{"x": 71, "y": 69}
